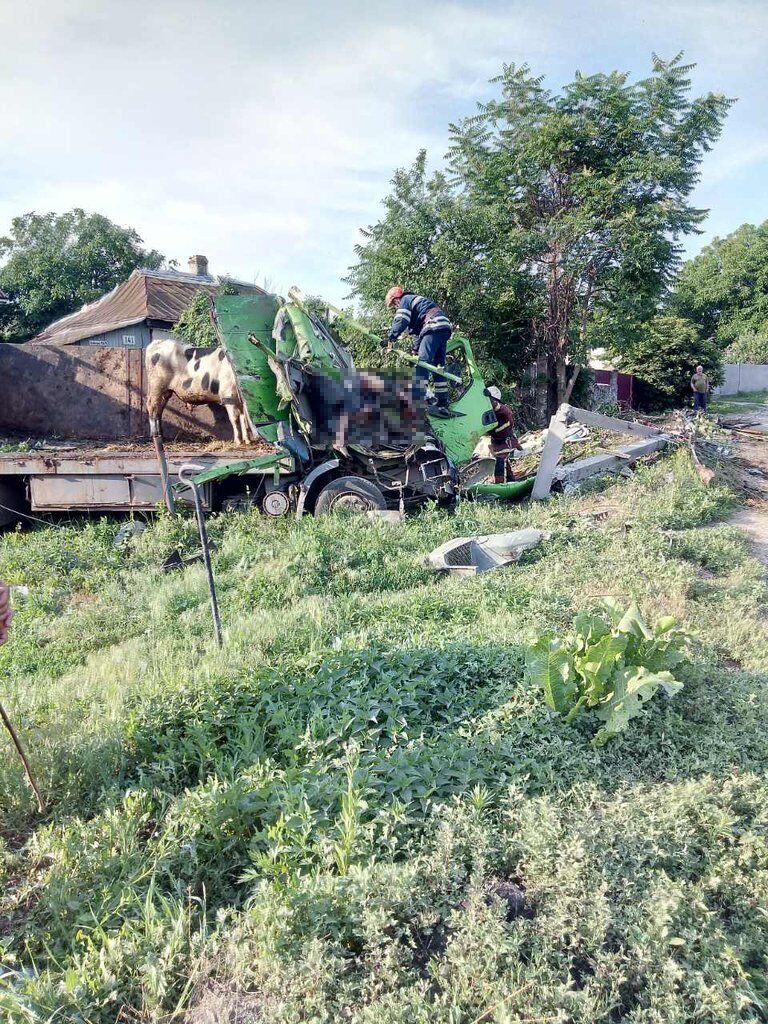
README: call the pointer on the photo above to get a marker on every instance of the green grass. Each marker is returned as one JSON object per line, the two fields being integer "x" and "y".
{"x": 744, "y": 401}
{"x": 359, "y": 809}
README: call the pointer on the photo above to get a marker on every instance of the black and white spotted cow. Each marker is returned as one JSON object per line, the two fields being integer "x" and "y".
{"x": 197, "y": 379}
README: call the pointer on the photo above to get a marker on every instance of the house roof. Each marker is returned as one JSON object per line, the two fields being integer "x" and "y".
{"x": 160, "y": 295}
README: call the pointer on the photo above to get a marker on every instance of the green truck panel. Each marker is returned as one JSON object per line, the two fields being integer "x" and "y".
{"x": 258, "y": 330}
{"x": 460, "y": 434}
{"x": 238, "y": 317}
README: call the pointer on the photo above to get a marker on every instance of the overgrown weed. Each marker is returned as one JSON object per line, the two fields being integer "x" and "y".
{"x": 326, "y": 815}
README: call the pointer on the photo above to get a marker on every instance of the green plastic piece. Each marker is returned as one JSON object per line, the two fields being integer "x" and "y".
{"x": 279, "y": 460}
{"x": 238, "y": 317}
{"x": 461, "y": 434}
{"x": 303, "y": 341}
{"x": 509, "y": 492}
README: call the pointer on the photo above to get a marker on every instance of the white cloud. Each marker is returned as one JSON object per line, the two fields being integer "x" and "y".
{"x": 264, "y": 135}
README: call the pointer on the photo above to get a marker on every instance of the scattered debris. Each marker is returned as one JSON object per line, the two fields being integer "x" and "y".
{"x": 650, "y": 440}
{"x": 706, "y": 475}
{"x": 127, "y": 532}
{"x": 178, "y": 561}
{"x": 385, "y": 515}
{"x": 469, "y": 556}
{"x": 482, "y": 467}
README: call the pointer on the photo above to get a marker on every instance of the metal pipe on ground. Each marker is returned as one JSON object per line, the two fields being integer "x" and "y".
{"x": 187, "y": 480}
{"x": 163, "y": 463}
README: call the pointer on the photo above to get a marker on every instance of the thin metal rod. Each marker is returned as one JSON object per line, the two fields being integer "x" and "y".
{"x": 24, "y": 760}
{"x": 438, "y": 370}
{"x": 203, "y": 531}
{"x": 167, "y": 492}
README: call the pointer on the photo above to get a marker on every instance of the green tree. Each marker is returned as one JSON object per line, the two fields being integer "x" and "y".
{"x": 432, "y": 240}
{"x": 566, "y": 207}
{"x": 749, "y": 347}
{"x": 195, "y": 325}
{"x": 724, "y": 290}
{"x": 54, "y": 263}
{"x": 663, "y": 355}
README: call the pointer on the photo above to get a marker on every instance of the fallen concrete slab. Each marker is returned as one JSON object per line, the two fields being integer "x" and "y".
{"x": 608, "y": 462}
{"x": 652, "y": 440}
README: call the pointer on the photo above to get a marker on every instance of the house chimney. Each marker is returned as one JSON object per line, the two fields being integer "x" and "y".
{"x": 198, "y": 265}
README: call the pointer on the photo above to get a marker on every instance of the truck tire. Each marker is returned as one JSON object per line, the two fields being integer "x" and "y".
{"x": 349, "y": 494}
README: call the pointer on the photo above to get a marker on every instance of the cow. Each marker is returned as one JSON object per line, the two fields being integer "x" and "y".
{"x": 195, "y": 378}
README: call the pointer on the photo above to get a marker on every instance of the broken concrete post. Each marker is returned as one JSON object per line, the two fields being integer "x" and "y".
{"x": 550, "y": 455}
{"x": 651, "y": 440}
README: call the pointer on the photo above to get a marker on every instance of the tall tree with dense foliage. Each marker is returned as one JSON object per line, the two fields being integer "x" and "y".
{"x": 54, "y": 263}
{"x": 569, "y": 206}
{"x": 663, "y": 355}
{"x": 724, "y": 290}
{"x": 434, "y": 241}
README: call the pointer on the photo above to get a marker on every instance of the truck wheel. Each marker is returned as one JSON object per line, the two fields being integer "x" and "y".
{"x": 349, "y": 494}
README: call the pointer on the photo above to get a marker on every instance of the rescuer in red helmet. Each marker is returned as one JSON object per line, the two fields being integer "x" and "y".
{"x": 503, "y": 439}
{"x": 430, "y": 329}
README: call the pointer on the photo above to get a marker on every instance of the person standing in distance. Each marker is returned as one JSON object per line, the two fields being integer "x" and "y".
{"x": 700, "y": 389}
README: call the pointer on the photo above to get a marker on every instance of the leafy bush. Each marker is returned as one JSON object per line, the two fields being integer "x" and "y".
{"x": 613, "y": 663}
{"x": 751, "y": 347}
{"x": 195, "y": 325}
{"x": 663, "y": 356}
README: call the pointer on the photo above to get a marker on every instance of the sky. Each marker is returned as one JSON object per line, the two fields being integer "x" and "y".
{"x": 264, "y": 135}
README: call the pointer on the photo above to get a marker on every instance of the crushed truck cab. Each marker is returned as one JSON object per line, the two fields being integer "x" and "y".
{"x": 343, "y": 438}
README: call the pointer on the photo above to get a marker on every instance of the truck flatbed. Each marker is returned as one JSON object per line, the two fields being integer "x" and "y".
{"x": 105, "y": 476}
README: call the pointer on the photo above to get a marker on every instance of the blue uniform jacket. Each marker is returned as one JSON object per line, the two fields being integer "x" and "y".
{"x": 417, "y": 314}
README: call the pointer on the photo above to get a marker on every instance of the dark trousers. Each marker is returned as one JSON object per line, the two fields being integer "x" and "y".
{"x": 432, "y": 349}
{"x": 699, "y": 401}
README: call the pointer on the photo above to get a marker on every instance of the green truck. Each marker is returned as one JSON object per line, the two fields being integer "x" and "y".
{"x": 337, "y": 442}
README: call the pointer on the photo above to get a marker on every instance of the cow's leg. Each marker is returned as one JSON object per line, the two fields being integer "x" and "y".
{"x": 157, "y": 400}
{"x": 234, "y": 419}
{"x": 245, "y": 428}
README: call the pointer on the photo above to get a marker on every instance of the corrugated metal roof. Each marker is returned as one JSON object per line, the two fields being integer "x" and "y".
{"x": 146, "y": 295}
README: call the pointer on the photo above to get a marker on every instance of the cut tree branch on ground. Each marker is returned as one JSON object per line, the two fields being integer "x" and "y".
{"x": 24, "y": 759}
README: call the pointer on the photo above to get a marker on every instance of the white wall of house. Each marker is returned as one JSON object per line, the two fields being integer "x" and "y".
{"x": 743, "y": 377}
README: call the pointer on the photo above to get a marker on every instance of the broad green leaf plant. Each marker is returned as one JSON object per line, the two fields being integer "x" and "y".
{"x": 612, "y": 664}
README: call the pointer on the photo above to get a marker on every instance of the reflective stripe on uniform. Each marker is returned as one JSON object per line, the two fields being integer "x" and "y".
{"x": 436, "y": 323}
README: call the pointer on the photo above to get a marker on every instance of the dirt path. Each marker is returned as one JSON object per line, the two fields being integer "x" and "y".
{"x": 753, "y": 450}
